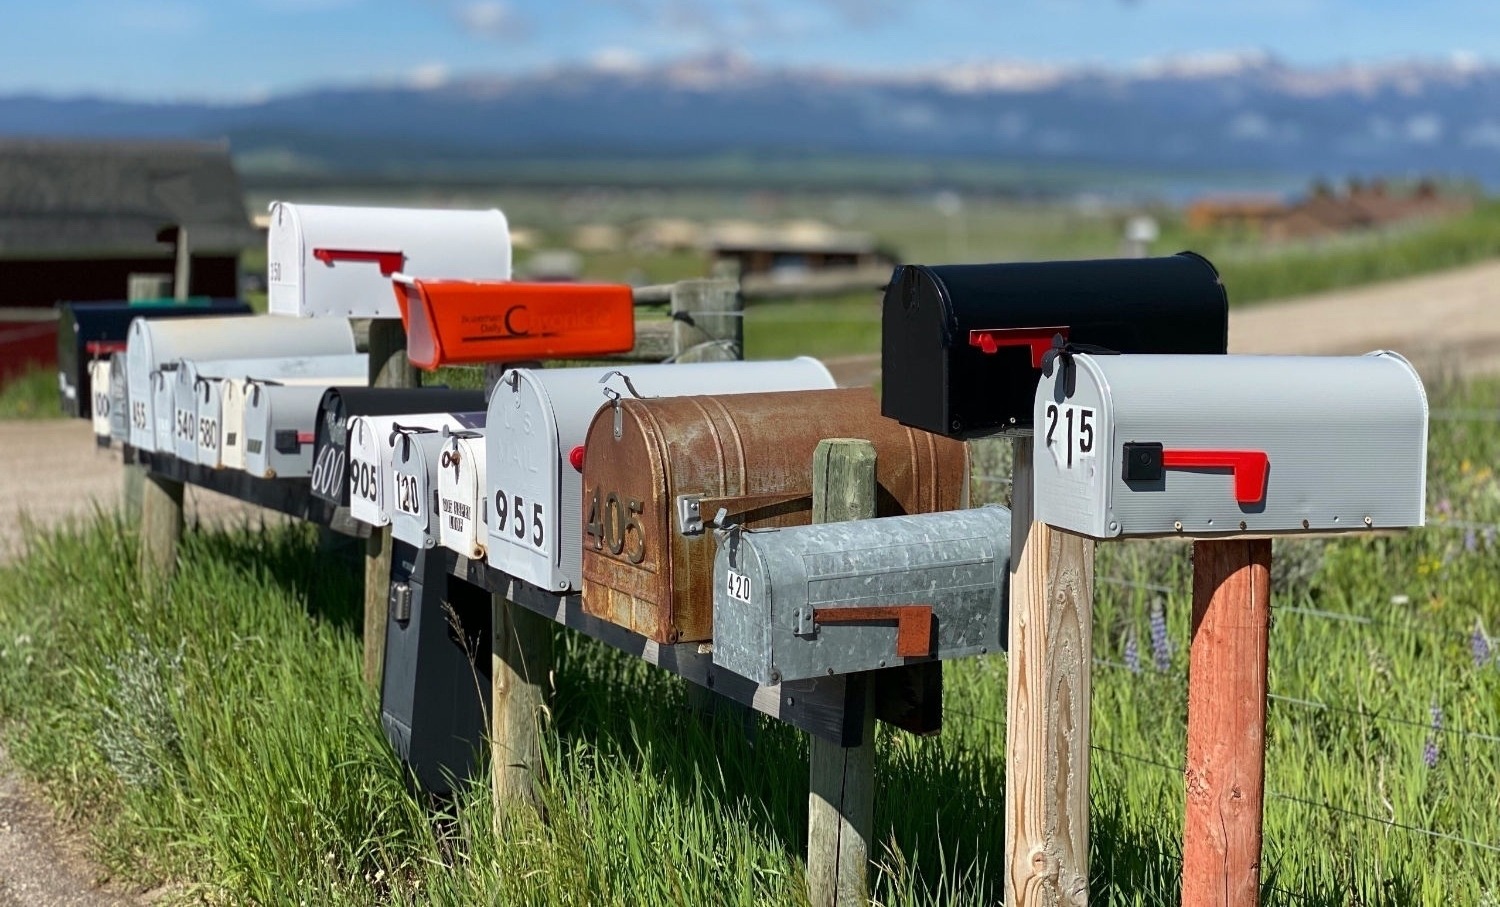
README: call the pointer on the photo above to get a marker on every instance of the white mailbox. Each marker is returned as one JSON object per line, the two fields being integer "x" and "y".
{"x": 214, "y": 425}
{"x": 337, "y": 261}
{"x": 119, "y": 398}
{"x": 231, "y": 393}
{"x": 416, "y": 454}
{"x": 157, "y": 344}
{"x": 371, "y": 476}
{"x": 461, "y": 494}
{"x": 278, "y": 429}
{"x": 1205, "y": 446}
{"x": 162, "y": 391}
{"x": 538, "y": 419}
{"x": 99, "y": 389}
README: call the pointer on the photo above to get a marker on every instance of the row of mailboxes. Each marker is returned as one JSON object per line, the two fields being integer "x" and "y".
{"x": 962, "y": 345}
{"x": 416, "y": 455}
{"x": 88, "y": 332}
{"x": 154, "y": 347}
{"x": 337, "y": 261}
{"x": 1206, "y": 446}
{"x": 658, "y": 472}
{"x": 375, "y": 445}
{"x": 837, "y": 598}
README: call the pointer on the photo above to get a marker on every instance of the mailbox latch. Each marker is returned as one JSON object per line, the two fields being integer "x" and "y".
{"x": 913, "y": 624}
{"x": 690, "y": 514}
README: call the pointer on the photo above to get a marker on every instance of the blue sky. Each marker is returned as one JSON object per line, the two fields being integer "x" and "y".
{"x": 238, "y": 49}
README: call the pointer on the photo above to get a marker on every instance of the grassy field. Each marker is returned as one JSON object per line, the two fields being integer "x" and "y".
{"x": 215, "y": 733}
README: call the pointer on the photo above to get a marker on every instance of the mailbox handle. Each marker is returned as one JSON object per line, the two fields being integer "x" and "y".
{"x": 913, "y": 624}
{"x": 1038, "y": 340}
{"x": 390, "y": 262}
{"x": 1249, "y": 468}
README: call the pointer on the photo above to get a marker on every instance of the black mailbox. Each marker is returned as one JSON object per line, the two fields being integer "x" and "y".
{"x": 86, "y": 330}
{"x": 962, "y": 345}
{"x": 435, "y": 684}
{"x": 330, "y": 470}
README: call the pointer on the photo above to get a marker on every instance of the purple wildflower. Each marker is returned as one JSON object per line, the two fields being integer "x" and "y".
{"x": 1430, "y": 752}
{"x": 1445, "y": 507}
{"x": 1471, "y": 541}
{"x": 1161, "y": 646}
{"x": 1133, "y": 652}
{"x": 1479, "y": 645}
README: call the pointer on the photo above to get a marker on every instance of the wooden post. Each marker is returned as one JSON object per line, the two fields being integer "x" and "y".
{"x": 709, "y": 323}
{"x": 388, "y": 368}
{"x": 161, "y": 526}
{"x": 520, "y": 691}
{"x": 1047, "y": 705}
{"x": 1226, "y": 733}
{"x": 841, "y": 780}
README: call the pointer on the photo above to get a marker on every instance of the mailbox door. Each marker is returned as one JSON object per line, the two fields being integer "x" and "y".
{"x": 367, "y": 491}
{"x": 119, "y": 398}
{"x": 278, "y": 427}
{"x": 232, "y": 423}
{"x": 337, "y": 261}
{"x": 957, "y": 339}
{"x": 163, "y": 383}
{"x": 750, "y": 454}
{"x": 331, "y": 480}
{"x": 808, "y": 601}
{"x": 414, "y": 458}
{"x": 1237, "y": 445}
{"x": 99, "y": 394}
{"x": 461, "y": 495}
{"x": 210, "y": 398}
{"x": 185, "y": 393}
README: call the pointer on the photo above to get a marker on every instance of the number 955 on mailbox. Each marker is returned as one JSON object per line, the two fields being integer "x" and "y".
{"x": 1203, "y": 446}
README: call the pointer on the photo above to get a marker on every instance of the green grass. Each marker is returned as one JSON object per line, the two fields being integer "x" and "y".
{"x": 216, "y": 733}
{"x": 31, "y": 395}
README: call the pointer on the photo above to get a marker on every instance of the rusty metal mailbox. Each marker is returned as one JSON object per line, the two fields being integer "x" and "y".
{"x": 1212, "y": 446}
{"x": 330, "y": 471}
{"x": 416, "y": 455}
{"x": 461, "y": 493}
{"x": 807, "y": 601}
{"x": 657, "y": 472}
{"x": 962, "y": 345}
{"x": 538, "y": 419}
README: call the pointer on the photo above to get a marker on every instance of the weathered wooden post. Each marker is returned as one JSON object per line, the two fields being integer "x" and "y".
{"x": 161, "y": 526}
{"x": 841, "y": 779}
{"x": 1221, "y": 842}
{"x": 520, "y": 691}
{"x": 1049, "y": 660}
{"x": 388, "y": 368}
{"x": 709, "y": 321}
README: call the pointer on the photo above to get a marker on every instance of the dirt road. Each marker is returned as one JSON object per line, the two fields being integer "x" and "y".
{"x": 1445, "y": 323}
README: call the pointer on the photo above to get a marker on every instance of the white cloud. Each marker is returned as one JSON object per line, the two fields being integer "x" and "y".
{"x": 491, "y": 18}
{"x": 428, "y": 76}
{"x": 617, "y": 59}
{"x": 1424, "y": 129}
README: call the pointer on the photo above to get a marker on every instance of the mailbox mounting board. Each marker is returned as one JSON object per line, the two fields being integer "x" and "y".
{"x": 1207, "y": 446}
{"x": 335, "y": 261}
{"x": 778, "y": 593}
{"x": 961, "y": 344}
{"x": 539, "y": 417}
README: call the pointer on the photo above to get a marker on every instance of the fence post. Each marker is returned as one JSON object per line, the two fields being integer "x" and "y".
{"x": 708, "y": 321}
{"x": 841, "y": 780}
{"x": 1226, "y": 732}
{"x": 161, "y": 524}
{"x": 388, "y": 368}
{"x": 1049, "y": 660}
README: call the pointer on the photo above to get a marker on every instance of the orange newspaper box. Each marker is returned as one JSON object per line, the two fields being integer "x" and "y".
{"x": 452, "y": 322}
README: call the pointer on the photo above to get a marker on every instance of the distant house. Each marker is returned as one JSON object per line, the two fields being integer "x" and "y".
{"x": 1324, "y": 212}
{"x": 796, "y": 247}
{"x": 79, "y": 219}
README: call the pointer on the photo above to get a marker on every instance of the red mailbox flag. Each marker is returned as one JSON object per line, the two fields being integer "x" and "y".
{"x": 452, "y": 322}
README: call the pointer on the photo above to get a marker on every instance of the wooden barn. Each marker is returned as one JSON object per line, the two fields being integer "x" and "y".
{"x": 80, "y": 219}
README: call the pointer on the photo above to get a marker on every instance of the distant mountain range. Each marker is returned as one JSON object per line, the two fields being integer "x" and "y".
{"x": 1218, "y": 113}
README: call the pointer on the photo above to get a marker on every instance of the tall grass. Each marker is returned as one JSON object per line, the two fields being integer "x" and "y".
{"x": 31, "y": 395}
{"x": 216, "y": 733}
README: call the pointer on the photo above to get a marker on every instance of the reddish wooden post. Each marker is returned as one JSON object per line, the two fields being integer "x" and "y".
{"x": 1226, "y": 733}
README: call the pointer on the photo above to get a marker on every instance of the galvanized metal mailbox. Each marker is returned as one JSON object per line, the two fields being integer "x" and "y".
{"x": 278, "y": 429}
{"x": 462, "y": 498}
{"x": 119, "y": 398}
{"x": 192, "y": 393}
{"x": 373, "y": 495}
{"x": 808, "y": 601}
{"x": 1207, "y": 446}
{"x": 435, "y": 681}
{"x": 331, "y": 480}
{"x": 337, "y": 261}
{"x": 538, "y": 419}
{"x": 99, "y": 390}
{"x": 222, "y": 428}
{"x": 415, "y": 457}
{"x": 154, "y": 345}
{"x": 87, "y": 331}
{"x": 162, "y": 390}
{"x": 656, "y": 473}
{"x": 962, "y": 345}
